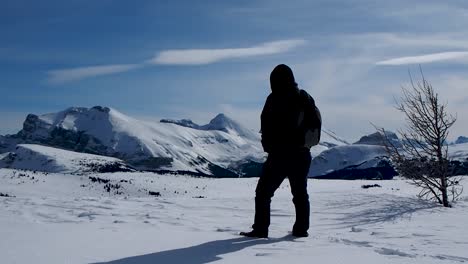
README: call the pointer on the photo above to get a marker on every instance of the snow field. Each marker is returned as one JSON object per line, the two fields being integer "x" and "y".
{"x": 60, "y": 218}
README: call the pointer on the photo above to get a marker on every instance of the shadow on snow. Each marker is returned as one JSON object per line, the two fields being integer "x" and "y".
{"x": 203, "y": 253}
{"x": 388, "y": 208}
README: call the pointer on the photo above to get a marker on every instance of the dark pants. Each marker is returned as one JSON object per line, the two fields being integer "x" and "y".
{"x": 278, "y": 166}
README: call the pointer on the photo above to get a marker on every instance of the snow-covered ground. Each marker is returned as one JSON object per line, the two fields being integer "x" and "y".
{"x": 112, "y": 218}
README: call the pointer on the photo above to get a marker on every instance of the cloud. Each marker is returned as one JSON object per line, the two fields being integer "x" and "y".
{"x": 428, "y": 58}
{"x": 174, "y": 57}
{"x": 385, "y": 41}
{"x": 207, "y": 56}
{"x": 79, "y": 73}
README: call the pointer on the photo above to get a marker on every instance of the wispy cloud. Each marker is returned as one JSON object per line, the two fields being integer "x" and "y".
{"x": 207, "y": 56}
{"x": 428, "y": 58}
{"x": 385, "y": 40}
{"x": 174, "y": 57}
{"x": 79, "y": 73}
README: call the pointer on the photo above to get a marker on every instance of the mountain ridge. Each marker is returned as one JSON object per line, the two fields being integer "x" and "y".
{"x": 143, "y": 144}
{"x": 221, "y": 148}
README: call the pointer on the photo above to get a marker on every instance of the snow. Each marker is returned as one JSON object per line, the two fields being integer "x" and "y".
{"x": 55, "y": 218}
{"x": 48, "y": 159}
{"x": 340, "y": 157}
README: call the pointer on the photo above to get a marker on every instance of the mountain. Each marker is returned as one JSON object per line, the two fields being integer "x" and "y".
{"x": 378, "y": 138}
{"x": 8, "y": 143}
{"x": 352, "y": 162}
{"x": 461, "y": 140}
{"x": 165, "y": 146}
{"x": 42, "y": 158}
{"x": 220, "y": 123}
{"x": 223, "y": 123}
{"x": 221, "y": 148}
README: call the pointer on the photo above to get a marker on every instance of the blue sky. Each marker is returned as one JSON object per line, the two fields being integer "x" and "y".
{"x": 194, "y": 59}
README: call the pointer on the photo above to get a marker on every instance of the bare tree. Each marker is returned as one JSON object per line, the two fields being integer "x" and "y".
{"x": 422, "y": 156}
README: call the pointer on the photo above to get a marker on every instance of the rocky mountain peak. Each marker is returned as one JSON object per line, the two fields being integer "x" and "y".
{"x": 377, "y": 138}
{"x": 461, "y": 140}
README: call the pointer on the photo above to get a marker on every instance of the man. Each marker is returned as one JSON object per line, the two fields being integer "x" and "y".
{"x": 284, "y": 139}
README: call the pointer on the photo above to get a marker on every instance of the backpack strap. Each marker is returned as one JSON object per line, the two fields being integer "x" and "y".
{"x": 309, "y": 119}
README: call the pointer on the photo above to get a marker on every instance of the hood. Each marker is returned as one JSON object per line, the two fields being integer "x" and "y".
{"x": 282, "y": 80}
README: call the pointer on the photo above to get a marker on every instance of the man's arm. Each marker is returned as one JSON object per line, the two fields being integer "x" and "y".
{"x": 266, "y": 123}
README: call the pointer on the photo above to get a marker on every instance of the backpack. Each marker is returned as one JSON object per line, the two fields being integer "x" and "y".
{"x": 309, "y": 120}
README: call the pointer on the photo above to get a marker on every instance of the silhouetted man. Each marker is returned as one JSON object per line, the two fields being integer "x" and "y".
{"x": 286, "y": 121}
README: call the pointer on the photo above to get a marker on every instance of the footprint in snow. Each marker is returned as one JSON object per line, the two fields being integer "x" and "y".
{"x": 393, "y": 252}
{"x": 356, "y": 230}
{"x": 90, "y": 215}
{"x": 448, "y": 257}
{"x": 227, "y": 229}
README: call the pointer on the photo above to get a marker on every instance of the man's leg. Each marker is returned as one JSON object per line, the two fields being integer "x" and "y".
{"x": 298, "y": 182}
{"x": 270, "y": 179}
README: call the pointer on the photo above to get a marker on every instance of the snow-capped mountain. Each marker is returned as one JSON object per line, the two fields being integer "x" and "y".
{"x": 222, "y": 147}
{"x": 206, "y": 150}
{"x": 365, "y": 159}
{"x": 352, "y": 161}
{"x": 221, "y": 123}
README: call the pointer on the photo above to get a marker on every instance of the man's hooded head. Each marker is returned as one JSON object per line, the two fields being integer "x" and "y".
{"x": 282, "y": 79}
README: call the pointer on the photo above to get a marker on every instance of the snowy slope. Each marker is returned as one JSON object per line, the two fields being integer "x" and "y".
{"x": 56, "y": 219}
{"x": 341, "y": 157}
{"x": 221, "y": 122}
{"x": 47, "y": 159}
{"x": 367, "y": 159}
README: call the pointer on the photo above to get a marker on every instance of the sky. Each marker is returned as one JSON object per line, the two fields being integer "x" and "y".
{"x": 195, "y": 59}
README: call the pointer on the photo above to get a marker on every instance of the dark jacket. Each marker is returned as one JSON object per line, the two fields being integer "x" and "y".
{"x": 280, "y": 125}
